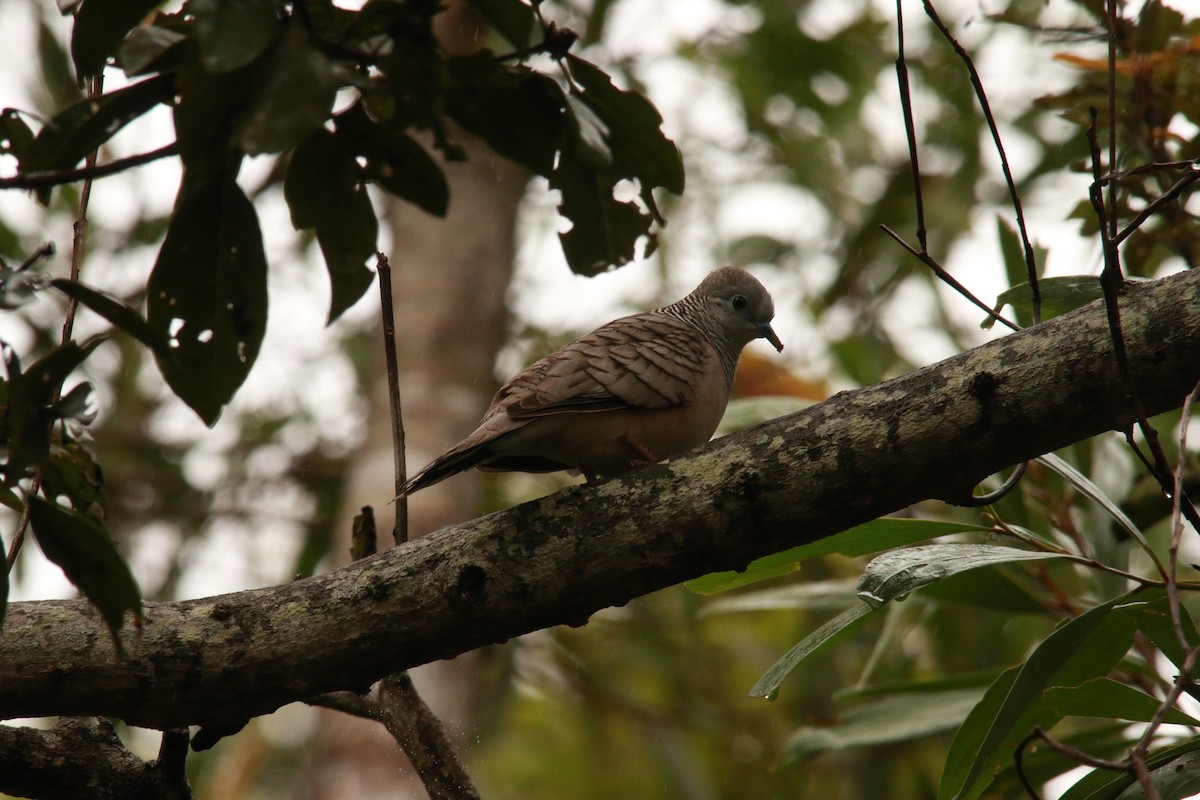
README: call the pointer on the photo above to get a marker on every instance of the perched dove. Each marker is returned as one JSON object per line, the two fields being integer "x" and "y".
{"x": 639, "y": 389}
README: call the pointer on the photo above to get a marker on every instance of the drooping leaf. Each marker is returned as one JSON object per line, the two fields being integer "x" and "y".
{"x": 72, "y": 472}
{"x": 294, "y": 99}
{"x": 886, "y": 720}
{"x": 394, "y": 160}
{"x": 81, "y": 128}
{"x": 1153, "y": 619}
{"x": 988, "y": 588}
{"x": 89, "y": 559}
{"x": 100, "y": 25}
{"x": 833, "y": 631}
{"x": 1105, "y": 784}
{"x": 870, "y": 537}
{"x": 900, "y": 572}
{"x": 604, "y": 231}
{"x": 1096, "y": 495}
{"x": 323, "y": 192}
{"x": 207, "y": 295}
{"x": 831, "y": 594}
{"x": 1087, "y": 647}
{"x": 232, "y": 34}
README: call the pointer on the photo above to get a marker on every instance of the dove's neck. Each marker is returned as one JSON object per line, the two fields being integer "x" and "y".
{"x": 691, "y": 311}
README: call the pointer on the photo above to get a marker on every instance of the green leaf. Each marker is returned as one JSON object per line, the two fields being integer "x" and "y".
{"x": 899, "y": 573}
{"x": 1105, "y": 698}
{"x": 394, "y": 160}
{"x": 870, "y": 537}
{"x": 72, "y": 472}
{"x": 323, "y": 192}
{"x": 1059, "y": 295}
{"x": 1086, "y": 647}
{"x": 116, "y": 312}
{"x": 295, "y": 98}
{"x": 100, "y": 25}
{"x": 1153, "y": 619}
{"x": 639, "y": 147}
{"x": 150, "y": 48}
{"x": 517, "y": 111}
{"x": 887, "y": 720}
{"x": 989, "y": 588}
{"x": 1096, "y": 495}
{"x": 833, "y": 631}
{"x": 513, "y": 19}
{"x": 604, "y": 231}
{"x": 1105, "y": 784}
{"x": 837, "y": 594}
{"x": 16, "y": 138}
{"x": 81, "y": 128}
{"x": 88, "y": 557}
{"x": 232, "y": 33}
{"x": 207, "y": 295}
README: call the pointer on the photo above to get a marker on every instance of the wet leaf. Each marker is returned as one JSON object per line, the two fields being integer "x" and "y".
{"x": 833, "y": 631}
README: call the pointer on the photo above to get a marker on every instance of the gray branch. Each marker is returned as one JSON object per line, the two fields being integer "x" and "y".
{"x": 931, "y": 434}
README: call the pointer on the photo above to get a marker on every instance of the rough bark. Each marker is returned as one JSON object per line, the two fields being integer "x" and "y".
{"x": 932, "y": 433}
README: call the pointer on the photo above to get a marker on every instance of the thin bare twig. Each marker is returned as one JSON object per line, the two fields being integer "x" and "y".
{"x": 910, "y": 130}
{"x": 1014, "y": 196}
{"x": 91, "y": 171}
{"x": 384, "y": 269}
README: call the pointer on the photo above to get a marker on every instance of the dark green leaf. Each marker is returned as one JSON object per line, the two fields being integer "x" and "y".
{"x": 870, "y": 537}
{"x": 15, "y": 136}
{"x": 1059, "y": 295}
{"x": 899, "y": 573}
{"x": 394, "y": 160}
{"x": 295, "y": 98}
{"x": 323, "y": 192}
{"x": 208, "y": 103}
{"x": 81, "y": 128}
{"x": 207, "y": 295}
{"x": 833, "y": 631}
{"x": 100, "y": 26}
{"x": 640, "y": 150}
{"x": 897, "y": 718}
{"x": 1096, "y": 495}
{"x": 989, "y": 588}
{"x": 150, "y": 48}
{"x": 116, "y": 312}
{"x": 232, "y": 33}
{"x": 1087, "y": 647}
{"x": 513, "y": 19}
{"x": 518, "y": 112}
{"x": 604, "y": 230}
{"x": 1153, "y": 619}
{"x": 90, "y": 560}
{"x": 72, "y": 472}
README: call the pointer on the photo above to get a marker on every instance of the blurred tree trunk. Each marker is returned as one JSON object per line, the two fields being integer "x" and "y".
{"x": 449, "y": 282}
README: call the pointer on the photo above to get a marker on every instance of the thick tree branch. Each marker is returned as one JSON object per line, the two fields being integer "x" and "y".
{"x": 932, "y": 433}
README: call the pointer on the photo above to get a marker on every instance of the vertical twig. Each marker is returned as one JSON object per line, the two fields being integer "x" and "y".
{"x": 79, "y": 228}
{"x": 400, "y": 531}
{"x": 910, "y": 130}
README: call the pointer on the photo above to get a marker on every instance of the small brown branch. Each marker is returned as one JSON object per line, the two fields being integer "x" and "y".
{"x": 949, "y": 279}
{"x": 1171, "y": 194}
{"x": 1014, "y": 196}
{"x": 910, "y": 131}
{"x": 424, "y": 739}
{"x": 41, "y": 180}
{"x": 384, "y": 269}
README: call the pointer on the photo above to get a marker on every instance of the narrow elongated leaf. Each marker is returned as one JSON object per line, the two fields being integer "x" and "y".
{"x": 81, "y": 128}
{"x": 232, "y": 34}
{"x": 295, "y": 98}
{"x": 1096, "y": 495}
{"x": 207, "y": 295}
{"x": 1105, "y": 698}
{"x": 100, "y": 26}
{"x": 116, "y": 312}
{"x": 836, "y": 629}
{"x": 88, "y": 557}
{"x": 1153, "y": 619}
{"x": 1087, "y": 647}
{"x": 323, "y": 192}
{"x": 899, "y": 573}
{"x": 886, "y": 720}
{"x": 810, "y": 594}
{"x": 870, "y": 537}
{"x": 1105, "y": 784}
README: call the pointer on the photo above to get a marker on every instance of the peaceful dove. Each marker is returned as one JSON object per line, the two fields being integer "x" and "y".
{"x": 639, "y": 389}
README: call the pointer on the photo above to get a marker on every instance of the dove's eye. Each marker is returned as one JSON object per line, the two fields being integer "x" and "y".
{"x": 739, "y": 302}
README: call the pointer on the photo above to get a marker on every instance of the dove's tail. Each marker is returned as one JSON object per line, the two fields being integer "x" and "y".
{"x": 445, "y": 465}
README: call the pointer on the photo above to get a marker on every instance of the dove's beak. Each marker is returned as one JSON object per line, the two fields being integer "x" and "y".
{"x": 765, "y": 331}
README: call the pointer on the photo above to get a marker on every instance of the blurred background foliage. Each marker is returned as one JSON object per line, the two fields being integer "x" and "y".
{"x": 792, "y": 174}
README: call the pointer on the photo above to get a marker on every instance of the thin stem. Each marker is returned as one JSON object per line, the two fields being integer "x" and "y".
{"x": 91, "y": 171}
{"x": 400, "y": 531}
{"x": 909, "y": 128}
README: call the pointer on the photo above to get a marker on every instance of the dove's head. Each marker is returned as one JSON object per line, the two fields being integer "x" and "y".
{"x": 739, "y": 306}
